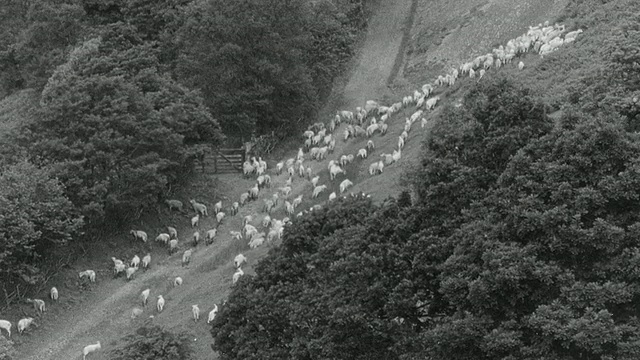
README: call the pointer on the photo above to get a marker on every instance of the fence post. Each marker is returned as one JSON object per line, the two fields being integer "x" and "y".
{"x": 215, "y": 161}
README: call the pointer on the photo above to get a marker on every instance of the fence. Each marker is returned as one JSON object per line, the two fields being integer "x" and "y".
{"x": 228, "y": 160}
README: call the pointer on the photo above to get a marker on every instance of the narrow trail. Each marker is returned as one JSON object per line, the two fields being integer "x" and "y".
{"x": 104, "y": 314}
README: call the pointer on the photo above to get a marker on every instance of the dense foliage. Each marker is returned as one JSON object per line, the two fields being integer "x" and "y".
{"x": 520, "y": 243}
{"x": 153, "y": 343}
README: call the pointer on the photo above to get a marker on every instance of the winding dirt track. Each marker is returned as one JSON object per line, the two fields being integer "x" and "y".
{"x": 105, "y": 313}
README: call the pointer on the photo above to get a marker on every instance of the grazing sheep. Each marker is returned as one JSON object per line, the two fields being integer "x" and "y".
{"x": 288, "y": 208}
{"x": 332, "y": 196}
{"x": 195, "y": 220}
{"x": 268, "y": 206}
{"x": 343, "y": 160}
{"x": 370, "y": 146}
{"x": 482, "y": 72}
{"x": 177, "y": 281}
{"x": 139, "y": 234}
{"x": 388, "y": 158}
{"x": 54, "y": 294}
{"x": 119, "y": 268}
{"x": 196, "y": 238}
{"x": 219, "y": 217}
{"x": 173, "y": 246}
{"x": 135, "y": 262}
{"x": 253, "y": 192}
{"x": 315, "y": 180}
{"x": 249, "y": 231}
{"x": 397, "y": 154}
{"x": 4, "y": 324}
{"x": 89, "y": 349}
{"x": 243, "y": 198}
{"x": 88, "y": 273}
{"x": 246, "y": 220}
{"x": 145, "y": 296}
{"x": 160, "y": 303}
{"x": 247, "y": 168}
{"x": 297, "y": 201}
{"x": 163, "y": 237}
{"x": 199, "y": 208}
{"x": 212, "y": 313}
{"x": 375, "y": 168}
{"x": 423, "y": 123}
{"x": 174, "y": 204}
{"x": 318, "y": 190}
{"x": 146, "y": 260}
{"x": 431, "y": 103}
{"x": 135, "y": 312}
{"x": 371, "y": 129}
{"x": 400, "y": 142}
{"x": 279, "y": 168}
{"x": 211, "y": 234}
{"x": 237, "y": 235}
{"x": 237, "y": 274}
{"x": 285, "y": 191}
{"x": 38, "y": 304}
{"x": 130, "y": 272}
{"x": 344, "y": 185}
{"x": 266, "y": 222}
{"x": 239, "y": 260}
{"x": 23, "y": 324}
{"x": 234, "y": 208}
{"x": 359, "y": 131}
{"x": 404, "y": 135}
{"x": 173, "y": 233}
{"x": 116, "y": 261}
{"x": 383, "y": 128}
{"x": 186, "y": 257}
{"x": 362, "y": 153}
{"x": 255, "y": 242}
{"x": 195, "y": 310}
{"x": 520, "y": 65}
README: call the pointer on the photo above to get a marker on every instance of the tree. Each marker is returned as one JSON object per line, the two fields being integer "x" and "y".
{"x": 154, "y": 343}
{"x": 114, "y": 129}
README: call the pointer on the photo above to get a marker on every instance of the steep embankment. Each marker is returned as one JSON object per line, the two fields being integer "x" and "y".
{"x": 104, "y": 313}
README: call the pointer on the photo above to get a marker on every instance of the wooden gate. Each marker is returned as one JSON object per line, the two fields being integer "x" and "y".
{"x": 228, "y": 160}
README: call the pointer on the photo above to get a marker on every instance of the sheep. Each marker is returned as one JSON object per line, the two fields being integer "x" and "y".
{"x": 335, "y": 170}
{"x": 289, "y": 209}
{"x": 359, "y": 131}
{"x": 267, "y": 181}
{"x": 362, "y": 153}
{"x": 346, "y": 134}
{"x": 318, "y": 190}
{"x": 404, "y": 135}
{"x": 234, "y": 208}
{"x": 371, "y": 129}
{"x": 38, "y": 305}
{"x": 482, "y": 72}
{"x": 173, "y": 233}
{"x": 396, "y": 155}
{"x": 253, "y": 192}
{"x": 219, "y": 217}
{"x": 195, "y": 310}
{"x": 212, "y": 313}
{"x": 54, "y": 294}
{"x": 237, "y": 235}
{"x": 239, "y": 260}
{"x": 431, "y": 103}
{"x": 290, "y": 162}
{"x": 144, "y": 295}
{"x": 268, "y": 206}
{"x": 237, "y": 274}
{"x": 89, "y": 349}
{"x": 344, "y": 185}
{"x": 285, "y": 191}
{"x": 116, "y": 261}
{"x": 279, "y": 168}
{"x": 23, "y": 324}
{"x": 322, "y": 153}
{"x": 332, "y": 196}
{"x": 130, "y": 272}
{"x": 195, "y": 220}
{"x": 343, "y": 160}
{"x": 472, "y": 74}
{"x": 308, "y": 134}
{"x": 383, "y": 128}
{"x": 388, "y": 158}
{"x": 199, "y": 208}
{"x": 173, "y": 246}
{"x": 160, "y": 303}
{"x": 196, "y": 238}
{"x": 243, "y": 198}
{"x": 370, "y": 146}
{"x": 174, "y": 204}
{"x": 146, "y": 260}
{"x": 135, "y": 262}
{"x": 163, "y": 237}
{"x": 332, "y": 146}
{"x": 135, "y": 312}
{"x": 297, "y": 201}
{"x": 266, "y": 221}
{"x": 275, "y": 198}
{"x": 400, "y": 142}
{"x": 211, "y": 234}
{"x": 118, "y": 268}
{"x": 247, "y": 219}
{"x": 177, "y": 281}
{"x": 423, "y": 122}
{"x": 315, "y": 180}
{"x": 255, "y": 242}
{"x": 186, "y": 257}
{"x": 217, "y": 207}
{"x": 139, "y": 234}
{"x": 4, "y": 324}
{"x": 571, "y": 36}
{"x": 88, "y": 273}
{"x": 247, "y": 168}
{"x": 375, "y": 168}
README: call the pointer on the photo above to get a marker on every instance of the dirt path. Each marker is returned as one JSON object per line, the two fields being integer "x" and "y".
{"x": 105, "y": 312}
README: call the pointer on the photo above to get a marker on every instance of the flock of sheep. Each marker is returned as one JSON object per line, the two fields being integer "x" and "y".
{"x": 320, "y": 141}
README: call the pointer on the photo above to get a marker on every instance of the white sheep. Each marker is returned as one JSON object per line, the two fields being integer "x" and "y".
{"x": 237, "y": 274}
{"x": 54, "y": 294}
{"x": 146, "y": 260}
{"x": 343, "y": 160}
{"x": 135, "y": 312}
{"x": 279, "y": 168}
{"x": 23, "y": 324}
{"x": 388, "y": 158}
{"x": 174, "y": 204}
{"x": 116, "y": 261}
{"x": 235, "y": 207}
{"x": 332, "y": 196}
{"x": 38, "y": 305}
{"x": 344, "y": 185}
{"x": 400, "y": 142}
{"x": 383, "y": 128}
{"x": 431, "y": 103}
{"x": 195, "y": 220}
{"x": 89, "y": 274}
{"x": 297, "y": 201}
{"x": 288, "y": 207}
{"x": 173, "y": 246}
{"x": 144, "y": 295}
{"x": 173, "y": 233}
{"x": 275, "y": 198}
{"x": 376, "y": 168}
{"x": 397, "y": 154}
{"x": 256, "y": 241}
{"x": 243, "y": 198}
{"x": 219, "y": 217}
{"x": 195, "y": 310}
{"x": 163, "y": 237}
{"x": 199, "y": 208}
{"x": 89, "y": 349}
{"x": 239, "y": 260}
{"x": 362, "y": 153}
{"x": 254, "y": 192}
{"x": 139, "y": 234}
{"x": 4, "y": 324}
{"x": 247, "y": 168}
{"x": 315, "y": 180}
{"x": 371, "y": 129}
{"x": 130, "y": 272}
{"x": 268, "y": 206}
{"x": 160, "y": 303}
{"x": 177, "y": 281}
{"x": 335, "y": 170}
{"x": 186, "y": 257}
{"x": 237, "y": 235}
{"x": 266, "y": 221}
{"x": 212, "y": 313}
{"x": 211, "y": 234}
{"x": 135, "y": 262}
{"x": 404, "y": 135}
{"x": 423, "y": 122}
{"x": 118, "y": 268}
{"x": 370, "y": 146}
{"x": 318, "y": 190}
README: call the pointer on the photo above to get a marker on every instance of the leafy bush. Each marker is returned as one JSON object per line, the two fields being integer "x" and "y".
{"x": 154, "y": 343}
